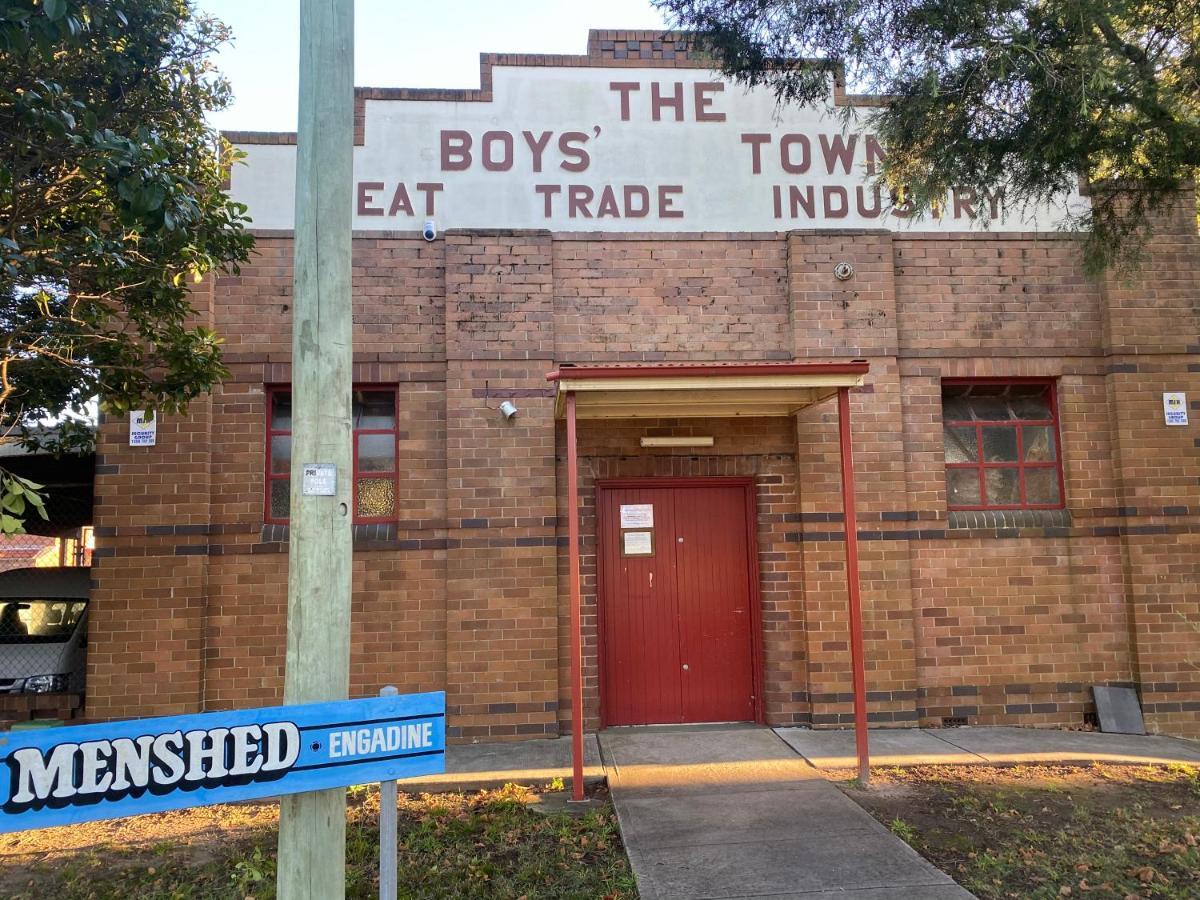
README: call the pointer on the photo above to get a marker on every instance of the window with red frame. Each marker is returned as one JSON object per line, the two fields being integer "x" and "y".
{"x": 1002, "y": 447}
{"x": 375, "y": 473}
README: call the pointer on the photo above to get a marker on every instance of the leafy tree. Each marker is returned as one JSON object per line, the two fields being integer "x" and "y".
{"x": 1031, "y": 95}
{"x": 17, "y": 496}
{"x": 111, "y": 206}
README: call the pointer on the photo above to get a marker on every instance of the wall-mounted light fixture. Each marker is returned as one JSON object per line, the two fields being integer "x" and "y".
{"x": 508, "y": 408}
{"x": 692, "y": 441}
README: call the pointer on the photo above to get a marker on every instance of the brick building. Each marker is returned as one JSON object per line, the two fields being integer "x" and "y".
{"x": 1029, "y": 525}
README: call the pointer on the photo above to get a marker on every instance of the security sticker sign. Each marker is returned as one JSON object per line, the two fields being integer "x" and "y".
{"x": 143, "y": 428}
{"x": 1175, "y": 408}
{"x": 64, "y": 776}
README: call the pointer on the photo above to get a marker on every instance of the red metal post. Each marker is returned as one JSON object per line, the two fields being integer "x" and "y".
{"x": 852, "y": 587}
{"x": 576, "y": 603}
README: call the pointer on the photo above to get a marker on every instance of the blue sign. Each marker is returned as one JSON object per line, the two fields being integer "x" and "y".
{"x": 63, "y": 776}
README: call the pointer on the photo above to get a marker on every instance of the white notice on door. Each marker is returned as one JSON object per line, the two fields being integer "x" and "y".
{"x": 638, "y": 543}
{"x": 637, "y": 515}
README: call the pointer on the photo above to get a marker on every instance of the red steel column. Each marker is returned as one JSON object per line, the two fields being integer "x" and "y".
{"x": 576, "y": 602}
{"x": 852, "y": 587}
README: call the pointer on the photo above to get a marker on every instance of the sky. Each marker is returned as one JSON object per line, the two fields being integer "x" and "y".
{"x": 400, "y": 43}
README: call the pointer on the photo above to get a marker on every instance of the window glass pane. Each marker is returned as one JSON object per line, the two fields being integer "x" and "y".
{"x": 280, "y": 498}
{"x": 1003, "y": 488}
{"x": 962, "y": 487}
{"x": 1038, "y": 443}
{"x": 281, "y": 453}
{"x": 956, "y": 409}
{"x": 376, "y": 453}
{"x": 1033, "y": 406}
{"x": 1041, "y": 485}
{"x": 999, "y": 445}
{"x": 374, "y": 409}
{"x": 990, "y": 409}
{"x": 988, "y": 389}
{"x": 376, "y": 497}
{"x": 281, "y": 412}
{"x": 33, "y": 620}
{"x": 960, "y": 444}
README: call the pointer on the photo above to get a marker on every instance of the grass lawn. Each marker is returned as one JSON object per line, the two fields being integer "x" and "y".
{"x": 1033, "y": 832}
{"x": 489, "y": 844}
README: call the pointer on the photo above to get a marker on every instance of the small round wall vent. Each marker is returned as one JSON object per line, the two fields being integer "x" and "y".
{"x": 843, "y": 271}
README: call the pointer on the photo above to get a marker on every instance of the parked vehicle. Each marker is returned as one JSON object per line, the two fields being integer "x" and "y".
{"x": 43, "y": 630}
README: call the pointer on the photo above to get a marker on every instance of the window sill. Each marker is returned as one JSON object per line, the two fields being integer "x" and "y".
{"x": 379, "y": 531}
{"x": 1008, "y": 518}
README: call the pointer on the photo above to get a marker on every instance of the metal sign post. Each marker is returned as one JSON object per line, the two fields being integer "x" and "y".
{"x": 312, "y": 827}
{"x": 387, "y": 828}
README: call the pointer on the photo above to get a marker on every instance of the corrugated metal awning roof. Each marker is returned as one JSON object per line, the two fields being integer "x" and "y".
{"x": 701, "y": 390}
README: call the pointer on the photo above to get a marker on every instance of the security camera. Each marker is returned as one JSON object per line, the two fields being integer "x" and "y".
{"x": 508, "y": 408}
{"x": 429, "y": 232}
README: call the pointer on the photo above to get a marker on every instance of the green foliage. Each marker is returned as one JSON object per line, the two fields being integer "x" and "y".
{"x": 483, "y": 845}
{"x": 18, "y": 497}
{"x": 111, "y": 207}
{"x": 1028, "y": 95}
{"x": 903, "y": 830}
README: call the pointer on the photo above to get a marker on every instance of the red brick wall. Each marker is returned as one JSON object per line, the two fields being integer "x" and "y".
{"x": 996, "y": 621}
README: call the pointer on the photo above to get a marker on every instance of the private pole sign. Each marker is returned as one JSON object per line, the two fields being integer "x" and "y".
{"x": 64, "y": 776}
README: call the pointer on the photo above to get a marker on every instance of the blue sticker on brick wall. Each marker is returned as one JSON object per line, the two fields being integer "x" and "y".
{"x": 63, "y": 776}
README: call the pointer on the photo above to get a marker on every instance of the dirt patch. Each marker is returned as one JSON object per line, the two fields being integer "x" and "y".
{"x": 486, "y": 844}
{"x": 1048, "y": 831}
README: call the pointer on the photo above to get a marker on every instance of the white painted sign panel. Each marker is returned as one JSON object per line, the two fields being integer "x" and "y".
{"x": 638, "y": 543}
{"x": 1175, "y": 408}
{"x": 320, "y": 480}
{"x": 143, "y": 428}
{"x": 579, "y": 148}
{"x": 637, "y": 515}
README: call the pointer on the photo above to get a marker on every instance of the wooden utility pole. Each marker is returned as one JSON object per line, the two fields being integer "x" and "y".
{"x": 312, "y": 826}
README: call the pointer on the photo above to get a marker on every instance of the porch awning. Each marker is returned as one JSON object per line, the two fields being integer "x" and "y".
{"x": 682, "y": 390}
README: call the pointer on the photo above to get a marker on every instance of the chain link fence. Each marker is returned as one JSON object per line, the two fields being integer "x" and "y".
{"x": 24, "y": 551}
{"x": 44, "y": 586}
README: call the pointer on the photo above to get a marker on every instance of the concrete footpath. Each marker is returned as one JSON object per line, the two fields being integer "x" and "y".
{"x": 992, "y": 746}
{"x": 740, "y": 811}
{"x": 723, "y": 812}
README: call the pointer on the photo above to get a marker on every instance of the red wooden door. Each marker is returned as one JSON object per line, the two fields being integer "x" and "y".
{"x": 676, "y": 615}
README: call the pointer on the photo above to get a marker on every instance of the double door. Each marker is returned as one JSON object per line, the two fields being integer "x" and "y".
{"x": 675, "y": 602}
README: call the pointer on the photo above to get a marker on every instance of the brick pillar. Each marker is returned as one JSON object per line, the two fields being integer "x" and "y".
{"x": 845, "y": 319}
{"x": 1152, "y": 323}
{"x": 150, "y": 568}
{"x": 501, "y": 580}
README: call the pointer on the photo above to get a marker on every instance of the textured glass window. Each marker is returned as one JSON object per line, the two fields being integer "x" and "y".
{"x": 376, "y": 497}
{"x": 963, "y": 486}
{"x": 1005, "y": 438}
{"x": 1003, "y": 486}
{"x": 280, "y": 497}
{"x": 1038, "y": 441}
{"x": 960, "y": 444}
{"x": 373, "y": 415}
{"x": 999, "y": 444}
